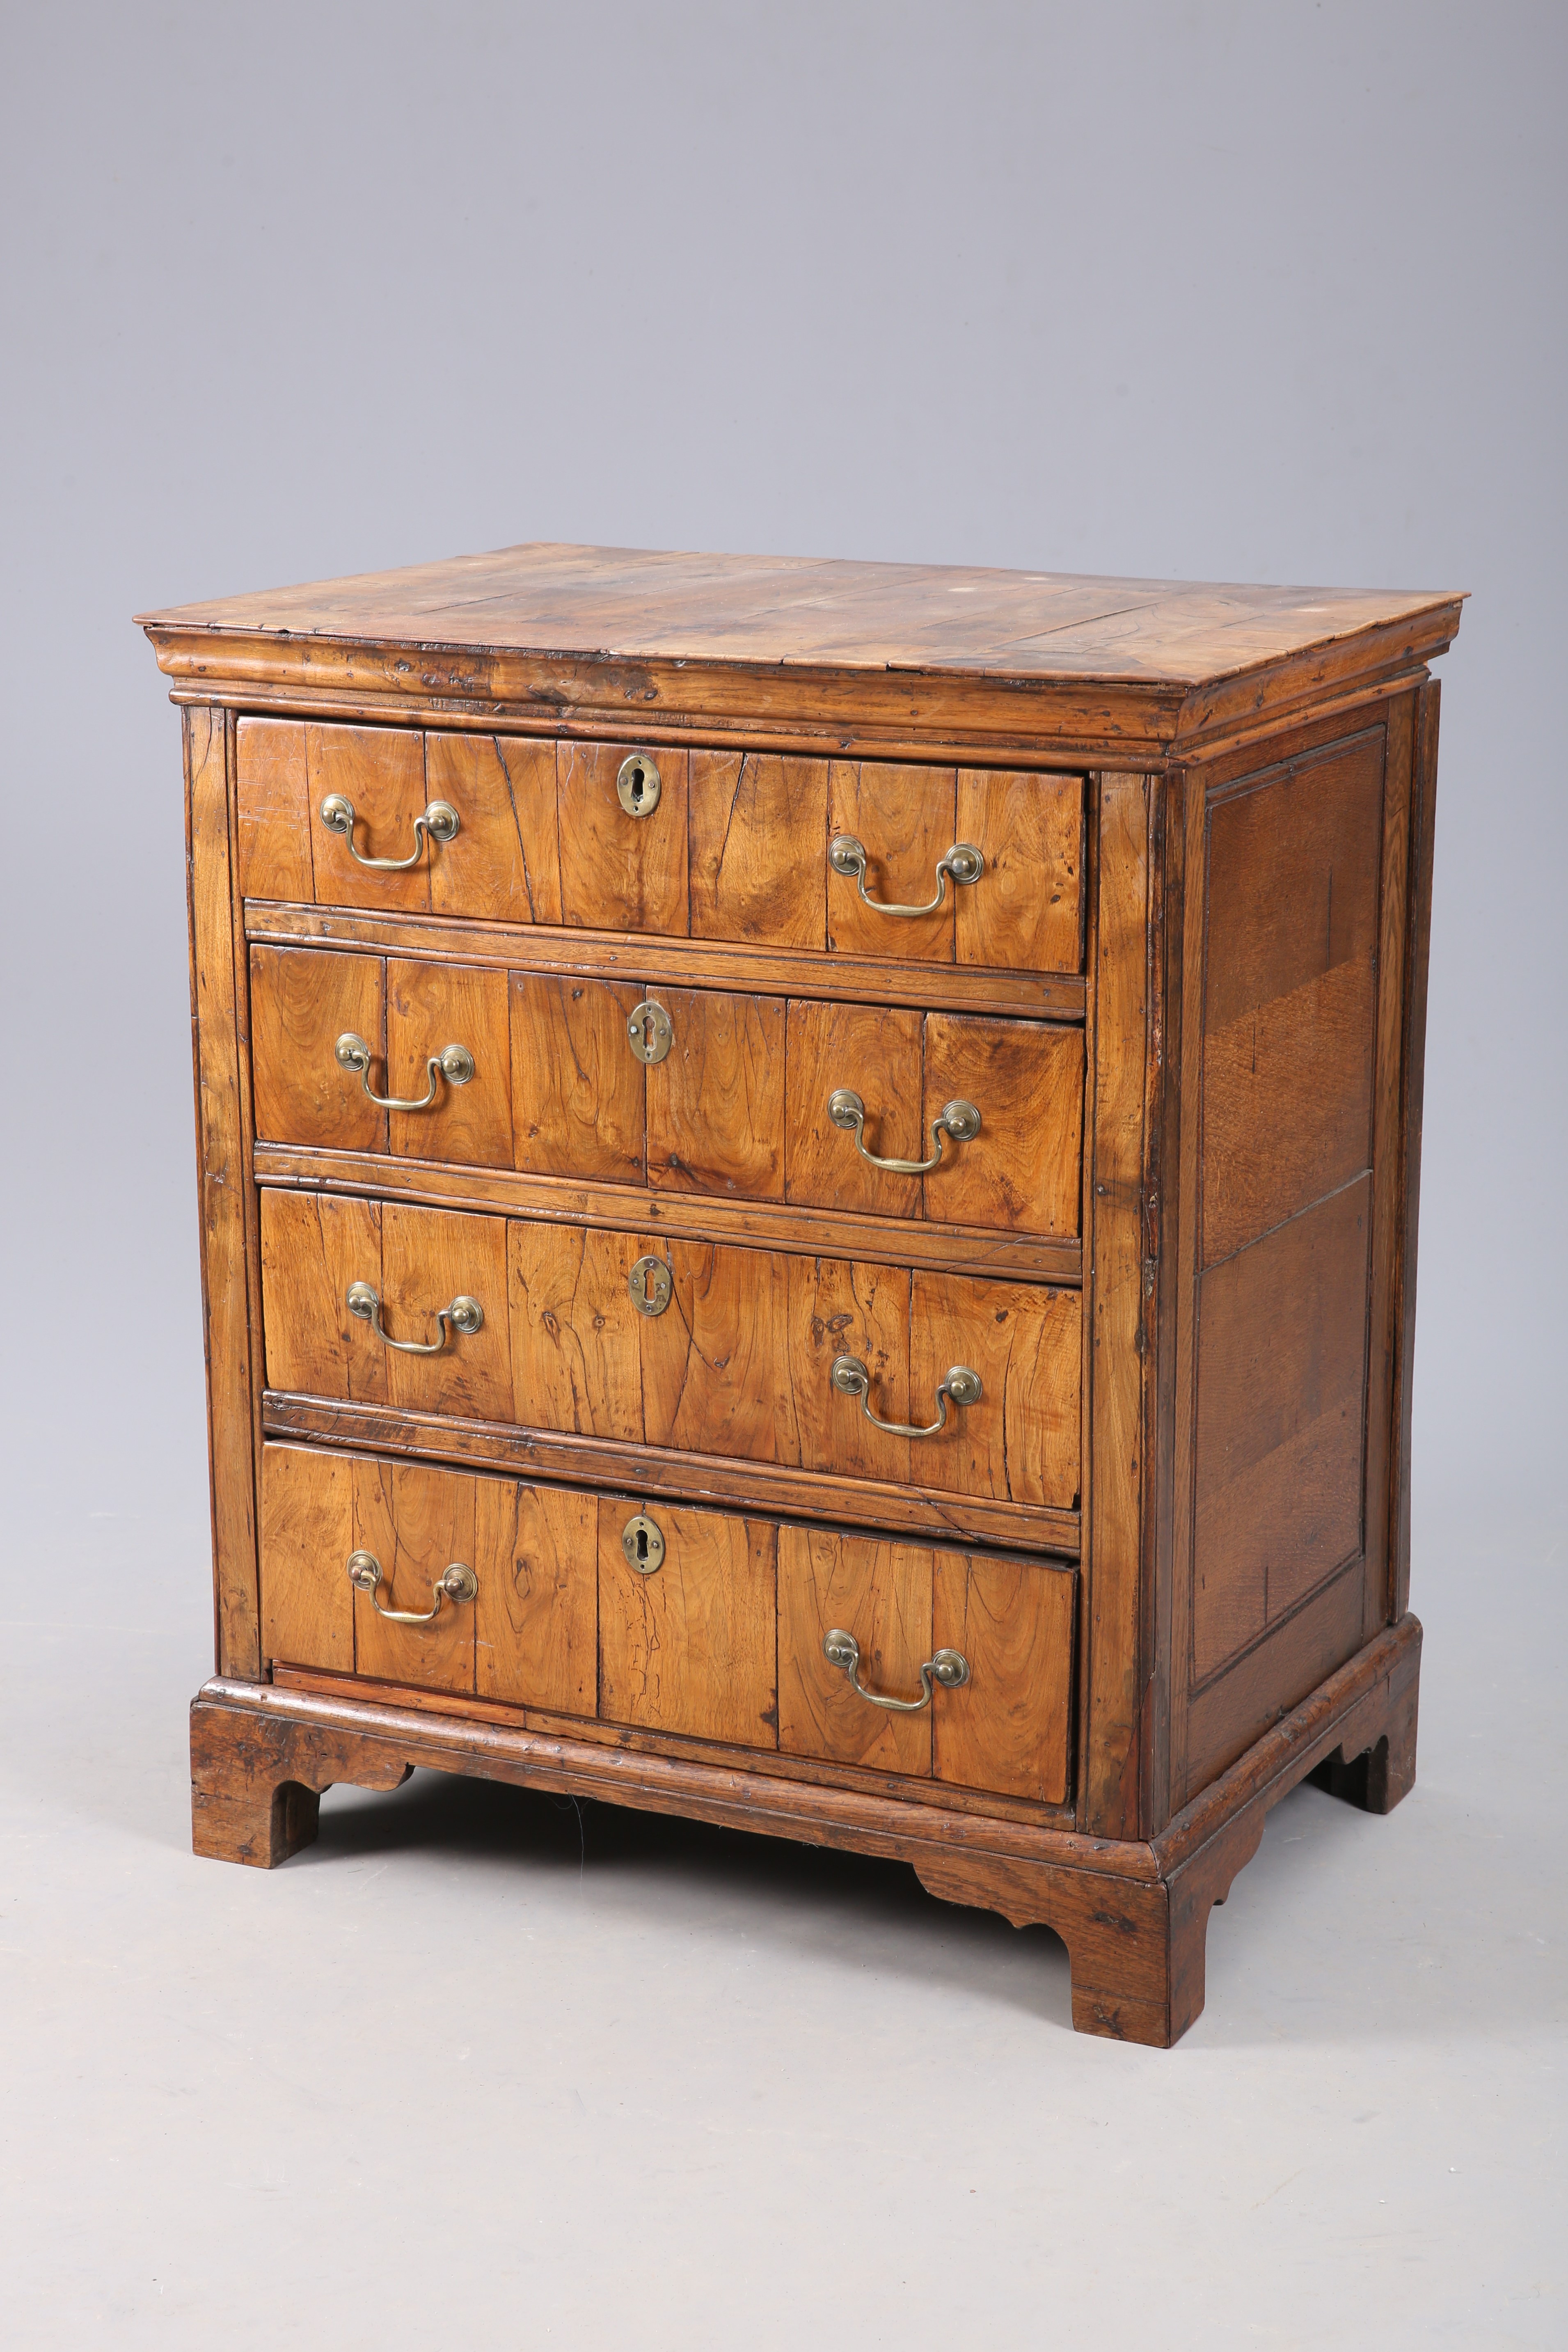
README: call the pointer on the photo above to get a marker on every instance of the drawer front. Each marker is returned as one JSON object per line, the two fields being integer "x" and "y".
{"x": 747, "y": 1102}
{"x": 715, "y": 1631}
{"x": 1007, "y": 1728}
{"x": 728, "y": 845}
{"x": 695, "y": 1348}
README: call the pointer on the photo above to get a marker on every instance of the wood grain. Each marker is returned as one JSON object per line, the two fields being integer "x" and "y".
{"x": 1024, "y": 1167}
{"x": 429, "y": 1258}
{"x": 431, "y": 1006}
{"x": 568, "y": 1202}
{"x": 1277, "y": 1673}
{"x": 716, "y": 1102}
{"x": 576, "y": 1085}
{"x": 500, "y": 867}
{"x": 924, "y": 1511}
{"x": 875, "y": 1051}
{"x": 232, "y": 1344}
{"x": 620, "y": 872}
{"x": 313, "y": 1246}
{"x": 632, "y": 610}
{"x": 1008, "y": 1727}
{"x": 1180, "y": 1241}
{"x": 880, "y": 1592}
{"x": 693, "y": 1647}
{"x": 1069, "y": 723}
{"x": 382, "y": 771}
{"x": 838, "y": 1307}
{"x": 273, "y": 801}
{"x": 1027, "y": 909}
{"x": 987, "y": 1808}
{"x": 1111, "y": 1799}
{"x": 654, "y": 963}
{"x": 536, "y": 1615}
{"x": 715, "y": 1363}
{"x": 739, "y": 1362}
{"x": 758, "y": 849}
{"x": 576, "y": 1346}
{"x": 415, "y": 1521}
{"x": 903, "y": 818}
{"x": 307, "y": 1535}
{"x": 301, "y": 1001}
{"x": 1020, "y": 1441}
{"x": 1282, "y": 1403}
{"x": 1291, "y": 977}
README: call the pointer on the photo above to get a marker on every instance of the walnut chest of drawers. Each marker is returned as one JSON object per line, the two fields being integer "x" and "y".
{"x": 808, "y": 1182}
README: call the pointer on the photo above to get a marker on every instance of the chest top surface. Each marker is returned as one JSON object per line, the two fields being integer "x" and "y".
{"x": 628, "y": 604}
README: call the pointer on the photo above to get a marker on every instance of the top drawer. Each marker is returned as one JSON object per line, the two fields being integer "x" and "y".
{"x": 827, "y": 855}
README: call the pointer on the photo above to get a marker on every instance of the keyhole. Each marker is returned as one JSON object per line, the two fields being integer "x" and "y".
{"x": 637, "y": 786}
{"x": 649, "y": 1031}
{"x": 642, "y": 1543}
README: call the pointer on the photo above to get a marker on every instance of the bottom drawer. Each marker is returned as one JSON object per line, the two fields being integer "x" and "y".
{"x": 702, "y": 1624}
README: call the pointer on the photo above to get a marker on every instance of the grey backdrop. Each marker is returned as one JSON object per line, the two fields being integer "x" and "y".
{"x": 1231, "y": 292}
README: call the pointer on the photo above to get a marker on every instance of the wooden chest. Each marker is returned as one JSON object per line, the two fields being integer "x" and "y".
{"x": 808, "y": 1187}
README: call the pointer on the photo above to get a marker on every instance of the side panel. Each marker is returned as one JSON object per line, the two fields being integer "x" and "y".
{"x": 1291, "y": 1197}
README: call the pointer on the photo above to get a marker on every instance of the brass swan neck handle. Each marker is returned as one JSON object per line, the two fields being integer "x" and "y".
{"x": 439, "y": 821}
{"x": 458, "y": 1583}
{"x": 464, "y": 1314}
{"x": 948, "y": 1668}
{"x": 850, "y": 1378}
{"x": 453, "y": 1063}
{"x": 847, "y": 855}
{"x": 959, "y": 1119}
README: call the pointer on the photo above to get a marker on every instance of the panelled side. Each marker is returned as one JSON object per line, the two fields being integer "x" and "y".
{"x": 1291, "y": 1195}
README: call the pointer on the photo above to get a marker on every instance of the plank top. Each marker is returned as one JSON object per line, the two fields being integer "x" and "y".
{"x": 775, "y": 612}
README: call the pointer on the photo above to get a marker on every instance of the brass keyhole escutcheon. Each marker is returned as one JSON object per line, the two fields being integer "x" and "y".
{"x": 637, "y": 785}
{"x": 650, "y": 1283}
{"x": 649, "y": 1031}
{"x": 643, "y": 1543}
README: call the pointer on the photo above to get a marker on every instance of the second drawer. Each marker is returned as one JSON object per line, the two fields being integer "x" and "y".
{"x": 683, "y": 1090}
{"x": 698, "y": 1347}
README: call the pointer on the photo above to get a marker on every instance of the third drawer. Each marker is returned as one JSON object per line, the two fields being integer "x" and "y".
{"x": 701, "y": 1348}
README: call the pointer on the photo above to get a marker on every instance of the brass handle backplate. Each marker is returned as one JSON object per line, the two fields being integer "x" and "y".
{"x": 847, "y": 856}
{"x": 637, "y": 785}
{"x": 959, "y": 1119}
{"x": 439, "y": 821}
{"x": 649, "y": 1031}
{"x": 643, "y": 1543}
{"x": 453, "y": 1063}
{"x": 458, "y": 1583}
{"x": 464, "y": 1314}
{"x": 850, "y": 1378}
{"x": 948, "y": 1668}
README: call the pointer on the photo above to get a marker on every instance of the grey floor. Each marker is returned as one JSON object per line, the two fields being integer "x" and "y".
{"x": 483, "y": 2069}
